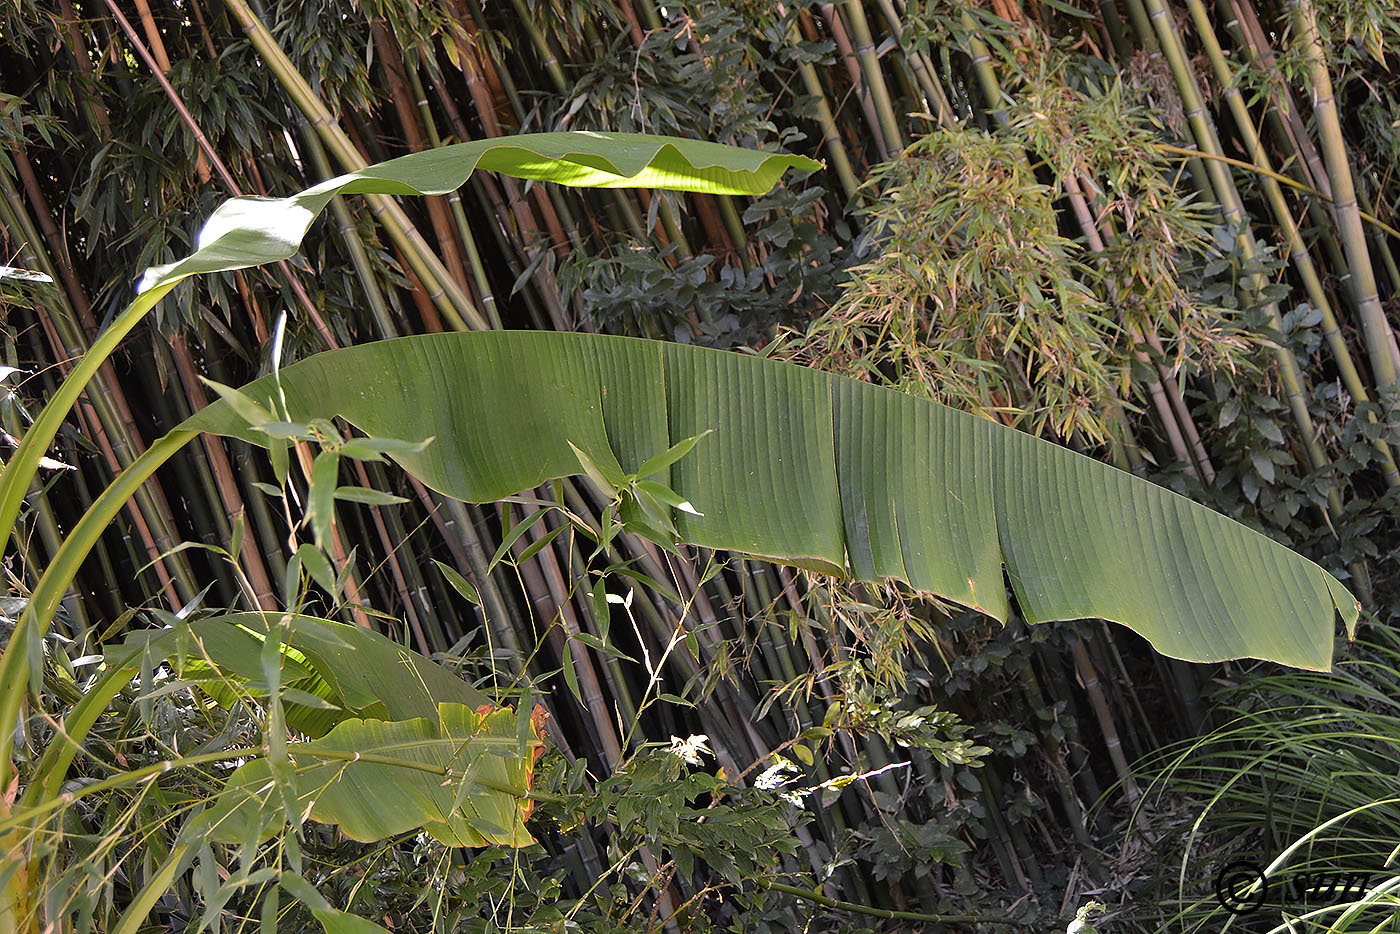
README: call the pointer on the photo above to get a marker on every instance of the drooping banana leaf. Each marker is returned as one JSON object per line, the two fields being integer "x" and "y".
{"x": 250, "y": 231}
{"x": 346, "y": 671}
{"x": 806, "y": 467}
{"x": 462, "y": 775}
{"x": 830, "y": 473}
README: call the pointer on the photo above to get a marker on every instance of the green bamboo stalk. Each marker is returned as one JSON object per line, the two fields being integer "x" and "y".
{"x": 1142, "y": 25}
{"x": 460, "y": 531}
{"x": 1381, "y": 348}
{"x": 262, "y": 533}
{"x": 548, "y": 58}
{"x": 1284, "y": 113}
{"x": 1113, "y": 26}
{"x": 1388, "y": 264}
{"x": 851, "y": 61}
{"x": 1283, "y": 216}
{"x": 923, "y": 70}
{"x": 831, "y": 136}
{"x": 874, "y": 77}
{"x": 483, "y": 284}
{"x": 408, "y": 109}
{"x": 1228, "y": 198}
{"x": 519, "y": 215}
{"x": 982, "y": 69}
{"x": 350, "y": 237}
{"x": 447, "y": 296}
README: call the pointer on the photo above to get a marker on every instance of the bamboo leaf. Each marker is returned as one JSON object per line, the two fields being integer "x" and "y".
{"x": 668, "y": 457}
{"x": 570, "y": 675}
{"x": 320, "y": 497}
{"x": 319, "y": 566}
{"x": 459, "y": 583}
{"x": 360, "y": 494}
{"x": 537, "y": 546}
{"x": 517, "y": 530}
{"x": 342, "y": 922}
{"x": 609, "y": 478}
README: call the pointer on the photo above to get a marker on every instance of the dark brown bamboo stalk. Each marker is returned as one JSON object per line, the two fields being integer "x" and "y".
{"x": 407, "y": 112}
{"x": 263, "y": 595}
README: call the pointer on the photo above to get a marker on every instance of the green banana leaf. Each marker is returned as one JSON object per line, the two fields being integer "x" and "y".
{"x": 347, "y": 671}
{"x": 401, "y": 741}
{"x": 250, "y": 231}
{"x": 463, "y": 776}
{"x": 829, "y": 473}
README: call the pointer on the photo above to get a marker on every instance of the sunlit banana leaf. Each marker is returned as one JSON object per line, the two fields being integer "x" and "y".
{"x": 462, "y": 775}
{"x": 250, "y": 231}
{"x": 830, "y": 473}
{"x": 353, "y": 672}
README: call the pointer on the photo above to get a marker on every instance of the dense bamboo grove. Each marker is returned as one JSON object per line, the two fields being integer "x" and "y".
{"x": 1163, "y": 234}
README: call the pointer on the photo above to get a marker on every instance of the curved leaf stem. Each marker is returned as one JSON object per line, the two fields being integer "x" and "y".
{"x": 825, "y": 902}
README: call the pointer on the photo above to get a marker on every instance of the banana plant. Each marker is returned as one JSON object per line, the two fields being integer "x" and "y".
{"x": 250, "y": 231}
{"x": 723, "y": 450}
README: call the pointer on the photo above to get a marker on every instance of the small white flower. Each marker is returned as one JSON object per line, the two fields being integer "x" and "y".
{"x": 689, "y": 750}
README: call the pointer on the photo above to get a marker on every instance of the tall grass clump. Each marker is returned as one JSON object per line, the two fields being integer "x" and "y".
{"x": 1298, "y": 788}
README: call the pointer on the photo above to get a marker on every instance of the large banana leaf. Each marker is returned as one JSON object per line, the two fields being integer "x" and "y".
{"x": 249, "y": 231}
{"x": 829, "y": 473}
{"x": 463, "y": 776}
{"x": 344, "y": 671}
{"x": 804, "y": 467}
